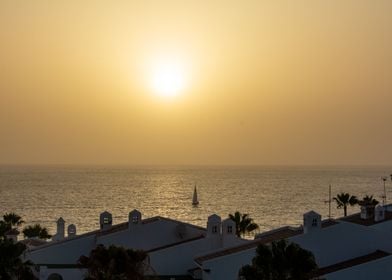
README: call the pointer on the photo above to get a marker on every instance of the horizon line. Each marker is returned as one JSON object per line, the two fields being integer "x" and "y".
{"x": 125, "y": 165}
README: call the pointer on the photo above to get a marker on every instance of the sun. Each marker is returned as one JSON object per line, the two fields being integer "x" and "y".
{"x": 167, "y": 77}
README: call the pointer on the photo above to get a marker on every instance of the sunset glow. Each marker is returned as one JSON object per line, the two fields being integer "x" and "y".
{"x": 196, "y": 82}
{"x": 198, "y": 134}
{"x": 168, "y": 79}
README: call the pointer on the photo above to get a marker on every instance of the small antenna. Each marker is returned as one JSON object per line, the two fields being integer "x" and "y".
{"x": 329, "y": 201}
{"x": 384, "y": 197}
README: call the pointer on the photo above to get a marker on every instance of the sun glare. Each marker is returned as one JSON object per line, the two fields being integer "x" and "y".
{"x": 168, "y": 79}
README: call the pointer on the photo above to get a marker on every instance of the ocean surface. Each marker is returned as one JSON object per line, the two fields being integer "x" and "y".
{"x": 273, "y": 196}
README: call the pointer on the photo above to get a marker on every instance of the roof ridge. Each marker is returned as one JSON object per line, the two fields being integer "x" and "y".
{"x": 378, "y": 254}
{"x": 112, "y": 229}
{"x": 176, "y": 243}
{"x": 184, "y": 223}
{"x": 280, "y": 233}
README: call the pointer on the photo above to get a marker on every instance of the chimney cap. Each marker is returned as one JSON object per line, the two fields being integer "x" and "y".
{"x": 214, "y": 217}
{"x": 311, "y": 212}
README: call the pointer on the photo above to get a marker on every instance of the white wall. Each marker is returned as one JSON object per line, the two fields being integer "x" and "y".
{"x": 342, "y": 242}
{"x": 227, "y": 268}
{"x": 67, "y": 252}
{"x": 179, "y": 259}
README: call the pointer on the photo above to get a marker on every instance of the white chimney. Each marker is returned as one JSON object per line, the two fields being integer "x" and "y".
{"x": 134, "y": 218}
{"x": 105, "y": 220}
{"x": 312, "y": 221}
{"x": 228, "y": 232}
{"x": 379, "y": 213}
{"x": 71, "y": 230}
{"x": 364, "y": 213}
{"x": 214, "y": 226}
{"x": 367, "y": 212}
{"x": 60, "y": 230}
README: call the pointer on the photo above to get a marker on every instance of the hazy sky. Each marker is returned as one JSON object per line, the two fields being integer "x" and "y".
{"x": 264, "y": 82}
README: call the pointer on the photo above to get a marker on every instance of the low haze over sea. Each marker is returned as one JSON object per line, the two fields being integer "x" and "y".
{"x": 273, "y": 196}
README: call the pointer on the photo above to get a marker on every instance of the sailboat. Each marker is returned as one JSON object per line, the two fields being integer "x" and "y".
{"x": 195, "y": 201}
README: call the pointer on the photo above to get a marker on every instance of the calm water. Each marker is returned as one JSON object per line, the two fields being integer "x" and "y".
{"x": 273, "y": 196}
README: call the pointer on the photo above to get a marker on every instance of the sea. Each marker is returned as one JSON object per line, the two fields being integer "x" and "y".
{"x": 273, "y": 196}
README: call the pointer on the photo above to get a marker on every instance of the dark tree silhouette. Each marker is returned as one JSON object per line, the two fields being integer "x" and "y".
{"x": 345, "y": 199}
{"x": 114, "y": 263}
{"x": 12, "y": 266}
{"x": 4, "y": 227}
{"x": 13, "y": 219}
{"x": 36, "y": 231}
{"x": 368, "y": 201}
{"x": 10, "y": 220}
{"x": 280, "y": 261}
{"x": 244, "y": 224}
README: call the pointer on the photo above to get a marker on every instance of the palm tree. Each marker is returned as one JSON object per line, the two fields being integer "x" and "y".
{"x": 345, "y": 199}
{"x": 114, "y": 263}
{"x": 12, "y": 265}
{"x": 368, "y": 201}
{"x": 243, "y": 223}
{"x": 13, "y": 219}
{"x": 280, "y": 261}
{"x": 36, "y": 231}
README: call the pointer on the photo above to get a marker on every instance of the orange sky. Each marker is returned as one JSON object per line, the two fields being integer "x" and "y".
{"x": 267, "y": 82}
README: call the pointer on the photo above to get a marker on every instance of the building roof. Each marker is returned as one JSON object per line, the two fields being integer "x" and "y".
{"x": 356, "y": 219}
{"x": 278, "y": 234}
{"x": 287, "y": 232}
{"x": 265, "y": 238}
{"x": 176, "y": 243}
{"x": 33, "y": 242}
{"x": 113, "y": 229}
{"x": 352, "y": 262}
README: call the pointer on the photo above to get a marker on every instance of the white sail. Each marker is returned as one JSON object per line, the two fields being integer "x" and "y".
{"x": 195, "y": 201}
